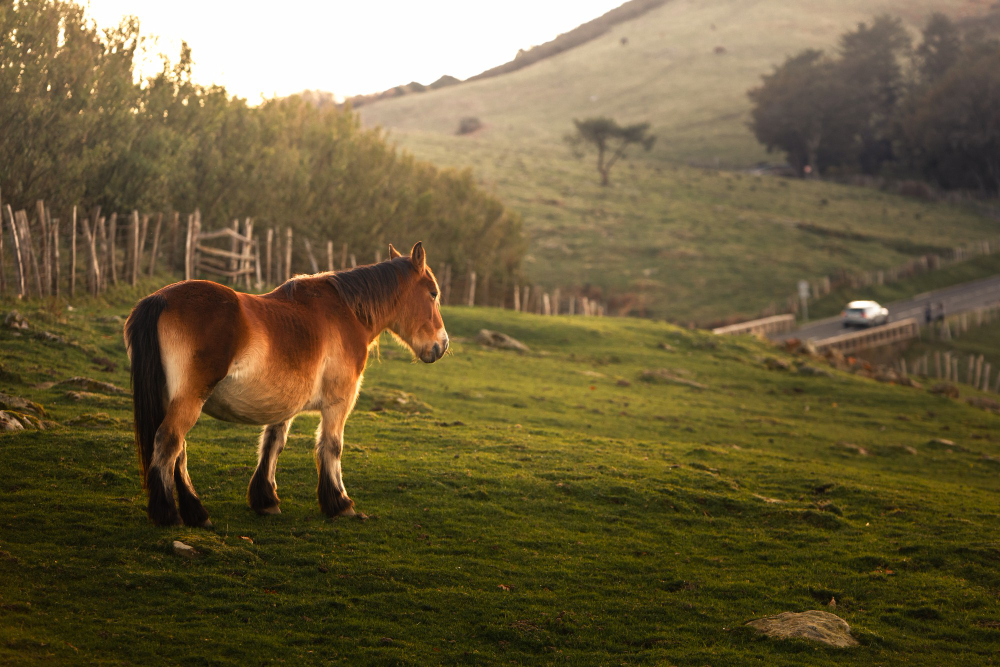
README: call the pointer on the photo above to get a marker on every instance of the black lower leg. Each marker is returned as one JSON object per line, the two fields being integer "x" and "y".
{"x": 261, "y": 494}
{"x": 332, "y": 500}
{"x": 161, "y": 509}
{"x": 191, "y": 510}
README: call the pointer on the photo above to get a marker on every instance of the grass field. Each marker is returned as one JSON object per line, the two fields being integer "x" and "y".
{"x": 667, "y": 240}
{"x": 543, "y": 508}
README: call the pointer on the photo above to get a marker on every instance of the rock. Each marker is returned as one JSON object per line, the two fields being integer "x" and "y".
{"x": 185, "y": 550}
{"x": 93, "y": 419}
{"x": 623, "y": 383}
{"x": 948, "y": 445}
{"x": 9, "y": 422}
{"x": 806, "y": 369}
{"x": 983, "y": 403}
{"x": 945, "y": 389}
{"x": 851, "y": 447}
{"x": 500, "y": 341}
{"x": 93, "y": 385}
{"x": 900, "y": 449}
{"x": 665, "y": 346}
{"x": 776, "y": 364}
{"x": 82, "y": 395}
{"x": 393, "y": 399}
{"x": 8, "y": 402}
{"x": 664, "y": 375}
{"x": 14, "y": 320}
{"x": 815, "y": 625}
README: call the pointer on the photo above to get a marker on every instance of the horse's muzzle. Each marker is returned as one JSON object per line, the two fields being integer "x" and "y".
{"x": 435, "y": 352}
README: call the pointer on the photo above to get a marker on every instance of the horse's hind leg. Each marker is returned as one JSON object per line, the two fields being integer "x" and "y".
{"x": 262, "y": 495}
{"x": 192, "y": 512}
{"x": 168, "y": 446}
{"x": 332, "y": 495}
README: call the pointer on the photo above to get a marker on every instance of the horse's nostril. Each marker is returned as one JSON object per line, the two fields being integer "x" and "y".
{"x": 437, "y": 351}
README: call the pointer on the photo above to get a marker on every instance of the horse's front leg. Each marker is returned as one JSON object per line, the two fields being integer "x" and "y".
{"x": 262, "y": 494}
{"x": 333, "y": 499}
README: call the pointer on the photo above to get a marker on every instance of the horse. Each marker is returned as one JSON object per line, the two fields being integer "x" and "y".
{"x": 197, "y": 346}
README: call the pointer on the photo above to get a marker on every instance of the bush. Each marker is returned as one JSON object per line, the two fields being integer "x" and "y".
{"x": 468, "y": 125}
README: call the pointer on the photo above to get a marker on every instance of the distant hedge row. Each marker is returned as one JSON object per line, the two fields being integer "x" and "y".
{"x": 77, "y": 130}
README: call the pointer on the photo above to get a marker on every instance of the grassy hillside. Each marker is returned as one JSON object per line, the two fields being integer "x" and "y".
{"x": 668, "y": 241}
{"x": 692, "y": 244}
{"x": 668, "y": 74}
{"x": 543, "y": 508}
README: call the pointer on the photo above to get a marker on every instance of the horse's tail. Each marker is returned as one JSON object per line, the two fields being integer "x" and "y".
{"x": 148, "y": 379}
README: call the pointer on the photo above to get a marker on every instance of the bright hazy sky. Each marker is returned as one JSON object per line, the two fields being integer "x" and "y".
{"x": 261, "y": 49}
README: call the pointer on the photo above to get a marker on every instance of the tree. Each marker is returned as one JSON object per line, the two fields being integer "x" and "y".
{"x": 940, "y": 49}
{"x": 610, "y": 140}
{"x": 800, "y": 109}
{"x": 951, "y": 131}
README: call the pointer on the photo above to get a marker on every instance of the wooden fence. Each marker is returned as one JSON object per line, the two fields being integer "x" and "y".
{"x": 857, "y": 341}
{"x": 48, "y": 258}
{"x": 761, "y": 327}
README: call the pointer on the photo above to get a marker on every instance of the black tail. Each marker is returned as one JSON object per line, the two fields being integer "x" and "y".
{"x": 148, "y": 380}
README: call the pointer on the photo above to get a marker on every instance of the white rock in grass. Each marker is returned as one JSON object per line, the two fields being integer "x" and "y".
{"x": 9, "y": 422}
{"x": 185, "y": 550}
{"x": 820, "y": 626}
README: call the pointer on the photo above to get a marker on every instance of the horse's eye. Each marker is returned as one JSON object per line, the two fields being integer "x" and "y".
{"x": 434, "y": 295}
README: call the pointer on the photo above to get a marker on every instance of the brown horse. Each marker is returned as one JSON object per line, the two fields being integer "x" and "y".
{"x": 196, "y": 346}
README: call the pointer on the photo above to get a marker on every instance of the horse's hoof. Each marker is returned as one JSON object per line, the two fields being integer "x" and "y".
{"x": 273, "y": 509}
{"x": 207, "y": 525}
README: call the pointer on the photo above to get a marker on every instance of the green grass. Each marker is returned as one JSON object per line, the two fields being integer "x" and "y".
{"x": 690, "y": 244}
{"x": 667, "y": 240}
{"x": 542, "y": 508}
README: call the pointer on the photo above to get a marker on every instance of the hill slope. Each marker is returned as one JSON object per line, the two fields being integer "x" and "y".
{"x": 672, "y": 242}
{"x": 563, "y": 505}
{"x": 669, "y": 74}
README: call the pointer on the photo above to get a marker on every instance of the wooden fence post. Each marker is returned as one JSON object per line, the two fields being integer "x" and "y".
{"x": 26, "y": 241}
{"x": 256, "y": 255}
{"x": 187, "y": 247}
{"x": 329, "y": 255}
{"x": 555, "y": 301}
{"x": 472, "y": 288}
{"x": 72, "y": 257}
{"x": 156, "y": 244}
{"x": 234, "y": 247}
{"x": 288, "y": 254}
{"x": 54, "y": 227}
{"x": 43, "y": 232}
{"x": 517, "y": 297}
{"x": 93, "y": 268}
{"x": 267, "y": 255}
{"x": 18, "y": 255}
{"x": 312, "y": 258}
{"x": 247, "y": 252}
{"x": 546, "y": 304}
{"x": 446, "y": 287}
{"x": 3, "y": 264}
{"x": 111, "y": 261}
{"x": 354, "y": 261}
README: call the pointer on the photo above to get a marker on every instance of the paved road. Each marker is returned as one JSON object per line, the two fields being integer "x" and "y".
{"x": 956, "y": 299}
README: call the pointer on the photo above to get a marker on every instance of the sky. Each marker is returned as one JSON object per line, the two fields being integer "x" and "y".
{"x": 259, "y": 50}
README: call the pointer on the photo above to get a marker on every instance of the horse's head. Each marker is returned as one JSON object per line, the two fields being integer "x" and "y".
{"x": 418, "y": 322}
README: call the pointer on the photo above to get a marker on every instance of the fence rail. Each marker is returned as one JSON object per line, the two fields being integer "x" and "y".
{"x": 857, "y": 341}
{"x": 761, "y": 327}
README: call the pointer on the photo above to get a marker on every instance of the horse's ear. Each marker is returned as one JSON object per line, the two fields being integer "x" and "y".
{"x": 393, "y": 253}
{"x": 418, "y": 257}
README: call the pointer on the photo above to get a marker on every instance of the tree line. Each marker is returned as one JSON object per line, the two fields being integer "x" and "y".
{"x": 79, "y": 129}
{"x": 884, "y": 105}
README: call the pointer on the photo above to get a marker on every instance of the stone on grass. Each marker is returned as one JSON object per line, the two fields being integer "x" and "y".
{"x": 983, "y": 403}
{"x": 851, "y": 447}
{"x": 815, "y": 625}
{"x": 14, "y": 320}
{"x": 776, "y": 364}
{"x": 945, "y": 389}
{"x": 9, "y": 422}
{"x": 185, "y": 550}
{"x": 8, "y": 402}
{"x": 806, "y": 369}
{"x": 500, "y": 341}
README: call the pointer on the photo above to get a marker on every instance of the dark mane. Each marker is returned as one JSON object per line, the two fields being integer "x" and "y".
{"x": 372, "y": 291}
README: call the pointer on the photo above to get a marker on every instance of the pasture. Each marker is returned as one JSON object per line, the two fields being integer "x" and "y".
{"x": 627, "y": 492}
{"x": 665, "y": 239}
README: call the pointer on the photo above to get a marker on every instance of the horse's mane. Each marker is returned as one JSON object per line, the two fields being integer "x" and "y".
{"x": 372, "y": 291}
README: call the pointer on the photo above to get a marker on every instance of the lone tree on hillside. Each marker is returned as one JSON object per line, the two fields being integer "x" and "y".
{"x": 610, "y": 139}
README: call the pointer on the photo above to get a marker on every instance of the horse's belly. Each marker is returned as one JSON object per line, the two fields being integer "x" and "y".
{"x": 253, "y": 401}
